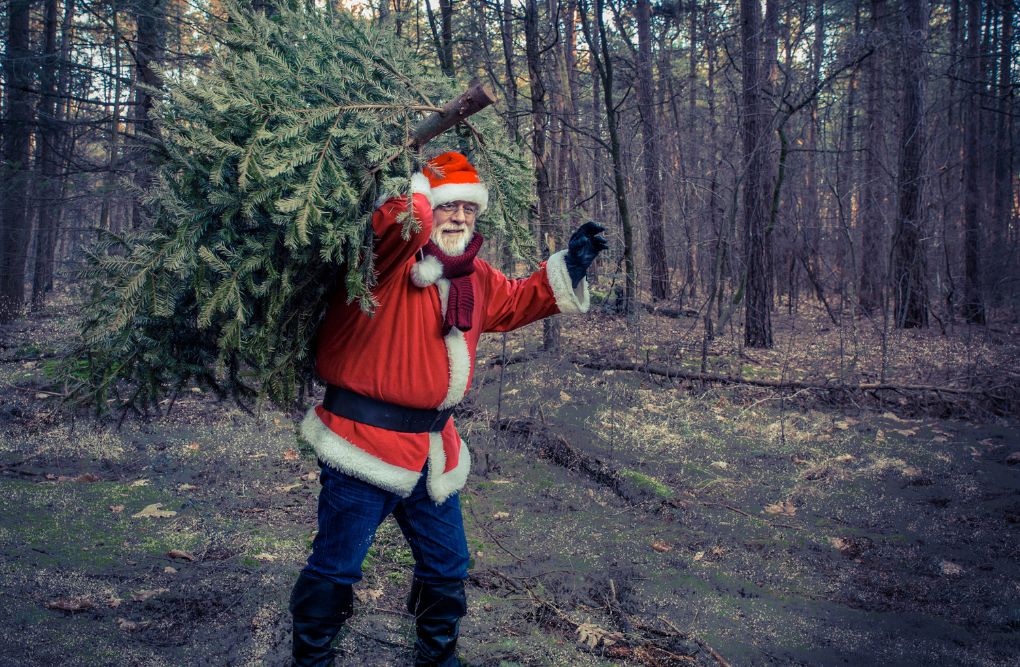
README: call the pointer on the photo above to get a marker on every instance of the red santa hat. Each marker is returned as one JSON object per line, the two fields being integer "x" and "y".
{"x": 452, "y": 178}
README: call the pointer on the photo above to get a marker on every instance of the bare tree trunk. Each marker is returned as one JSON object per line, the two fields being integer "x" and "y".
{"x": 540, "y": 121}
{"x": 656, "y": 244}
{"x": 872, "y": 224}
{"x": 442, "y": 35}
{"x": 14, "y": 177}
{"x": 910, "y": 267}
{"x": 48, "y": 185}
{"x": 757, "y": 205}
{"x": 1002, "y": 204}
{"x": 149, "y": 51}
{"x": 595, "y": 36}
{"x": 973, "y": 303}
{"x": 105, "y": 211}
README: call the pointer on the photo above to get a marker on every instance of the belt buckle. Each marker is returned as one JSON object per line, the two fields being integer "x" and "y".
{"x": 440, "y": 419}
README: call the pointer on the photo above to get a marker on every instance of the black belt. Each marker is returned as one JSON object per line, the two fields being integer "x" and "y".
{"x": 365, "y": 410}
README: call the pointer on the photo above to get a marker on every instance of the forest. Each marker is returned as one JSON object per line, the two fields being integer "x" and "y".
{"x": 784, "y": 433}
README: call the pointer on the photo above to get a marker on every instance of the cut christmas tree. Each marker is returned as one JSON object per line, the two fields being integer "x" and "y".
{"x": 271, "y": 162}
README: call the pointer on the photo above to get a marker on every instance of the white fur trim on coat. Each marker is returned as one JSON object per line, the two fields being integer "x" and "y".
{"x": 346, "y": 457}
{"x": 427, "y": 271}
{"x": 475, "y": 193}
{"x": 441, "y": 485}
{"x": 419, "y": 183}
{"x": 568, "y": 298}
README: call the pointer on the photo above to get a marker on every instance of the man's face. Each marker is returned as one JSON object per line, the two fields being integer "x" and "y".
{"x": 453, "y": 225}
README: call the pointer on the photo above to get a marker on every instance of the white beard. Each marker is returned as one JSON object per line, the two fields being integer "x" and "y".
{"x": 452, "y": 247}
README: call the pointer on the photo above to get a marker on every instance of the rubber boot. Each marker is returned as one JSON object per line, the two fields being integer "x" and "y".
{"x": 437, "y": 609}
{"x": 319, "y": 608}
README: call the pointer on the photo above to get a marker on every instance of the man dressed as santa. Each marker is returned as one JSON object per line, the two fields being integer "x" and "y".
{"x": 384, "y": 434}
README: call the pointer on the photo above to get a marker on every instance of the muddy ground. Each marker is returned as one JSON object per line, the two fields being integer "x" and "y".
{"x": 694, "y": 525}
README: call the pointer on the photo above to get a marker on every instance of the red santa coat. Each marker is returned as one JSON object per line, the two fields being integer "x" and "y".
{"x": 400, "y": 356}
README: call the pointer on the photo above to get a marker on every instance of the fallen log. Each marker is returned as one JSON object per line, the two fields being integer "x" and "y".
{"x": 666, "y": 311}
{"x": 554, "y": 447}
{"x": 1000, "y": 398}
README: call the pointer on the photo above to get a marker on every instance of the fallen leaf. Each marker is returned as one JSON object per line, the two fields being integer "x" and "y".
{"x": 501, "y": 481}
{"x": 784, "y": 507}
{"x": 310, "y": 476}
{"x": 143, "y": 595}
{"x": 844, "y": 458}
{"x": 951, "y": 569}
{"x": 113, "y": 601}
{"x": 179, "y": 553}
{"x": 186, "y": 487}
{"x": 592, "y": 635}
{"x": 661, "y": 546}
{"x": 87, "y": 477}
{"x": 717, "y": 551}
{"x": 116, "y": 509}
{"x": 839, "y": 543}
{"x": 906, "y": 432}
{"x": 564, "y": 396}
{"x": 191, "y": 447}
{"x": 291, "y": 455}
{"x": 287, "y": 488}
{"x": 501, "y": 515}
{"x": 50, "y": 476}
{"x": 154, "y": 511}
{"x": 842, "y": 425}
{"x": 170, "y": 570}
{"x": 721, "y": 465}
{"x": 41, "y": 395}
{"x": 264, "y": 557}
{"x": 126, "y": 625}
{"x": 72, "y": 605}
{"x": 699, "y": 555}
{"x": 366, "y": 595}
{"x": 799, "y": 461}
{"x": 139, "y": 482}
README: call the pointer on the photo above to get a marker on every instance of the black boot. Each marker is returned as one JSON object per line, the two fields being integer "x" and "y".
{"x": 319, "y": 608}
{"x": 437, "y": 609}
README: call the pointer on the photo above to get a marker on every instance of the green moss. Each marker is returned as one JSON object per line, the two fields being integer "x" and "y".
{"x": 647, "y": 483}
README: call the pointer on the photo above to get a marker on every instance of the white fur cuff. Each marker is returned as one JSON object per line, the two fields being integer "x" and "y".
{"x": 426, "y": 272}
{"x": 568, "y": 298}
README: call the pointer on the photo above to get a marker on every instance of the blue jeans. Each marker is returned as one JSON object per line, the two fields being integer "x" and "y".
{"x": 351, "y": 510}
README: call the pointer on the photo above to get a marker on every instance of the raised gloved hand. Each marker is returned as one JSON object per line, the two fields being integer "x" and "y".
{"x": 585, "y": 245}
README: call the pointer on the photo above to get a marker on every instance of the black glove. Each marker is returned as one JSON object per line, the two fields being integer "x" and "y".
{"x": 585, "y": 245}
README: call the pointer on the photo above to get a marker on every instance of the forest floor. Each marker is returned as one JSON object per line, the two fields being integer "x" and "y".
{"x": 615, "y": 517}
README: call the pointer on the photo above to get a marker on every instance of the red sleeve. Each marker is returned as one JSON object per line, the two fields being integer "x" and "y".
{"x": 511, "y": 304}
{"x": 392, "y": 250}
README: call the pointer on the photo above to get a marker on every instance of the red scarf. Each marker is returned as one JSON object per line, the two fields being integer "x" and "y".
{"x": 457, "y": 269}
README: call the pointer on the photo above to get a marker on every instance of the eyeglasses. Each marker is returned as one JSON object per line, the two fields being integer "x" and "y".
{"x": 470, "y": 210}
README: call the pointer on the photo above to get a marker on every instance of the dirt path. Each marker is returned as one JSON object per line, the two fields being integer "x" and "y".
{"x": 749, "y": 531}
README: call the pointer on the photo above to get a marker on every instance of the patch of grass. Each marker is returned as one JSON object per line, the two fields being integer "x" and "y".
{"x": 647, "y": 483}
